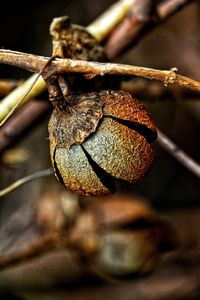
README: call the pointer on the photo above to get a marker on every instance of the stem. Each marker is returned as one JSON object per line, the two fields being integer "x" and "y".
{"x": 105, "y": 23}
{"x": 142, "y": 17}
{"x": 179, "y": 154}
{"x": 169, "y": 7}
{"x": 22, "y": 120}
{"x": 35, "y": 63}
{"x": 26, "y": 91}
{"x": 22, "y": 181}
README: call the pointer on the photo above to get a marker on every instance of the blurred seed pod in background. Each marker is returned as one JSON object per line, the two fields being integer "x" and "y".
{"x": 121, "y": 236}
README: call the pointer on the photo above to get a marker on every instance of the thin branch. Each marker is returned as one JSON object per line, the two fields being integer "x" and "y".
{"x": 105, "y": 23}
{"x": 21, "y": 121}
{"x": 179, "y": 154}
{"x": 169, "y": 7}
{"x": 142, "y": 17}
{"x": 35, "y": 63}
{"x": 21, "y": 92}
{"x": 24, "y": 180}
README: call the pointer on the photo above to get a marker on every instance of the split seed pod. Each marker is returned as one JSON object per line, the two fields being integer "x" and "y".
{"x": 99, "y": 137}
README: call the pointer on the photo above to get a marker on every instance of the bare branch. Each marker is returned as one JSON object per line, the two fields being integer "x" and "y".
{"x": 35, "y": 63}
{"x": 142, "y": 17}
{"x": 22, "y": 120}
{"x": 179, "y": 154}
{"x": 169, "y": 7}
{"x": 105, "y": 23}
{"x": 22, "y": 92}
{"x": 24, "y": 180}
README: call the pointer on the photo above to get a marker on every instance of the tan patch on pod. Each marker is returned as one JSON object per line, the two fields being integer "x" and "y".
{"x": 121, "y": 105}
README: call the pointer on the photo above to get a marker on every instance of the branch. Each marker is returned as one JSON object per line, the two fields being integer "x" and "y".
{"x": 36, "y": 63}
{"x": 106, "y": 22}
{"x": 142, "y": 17}
{"x": 26, "y": 91}
{"x": 21, "y": 121}
{"x": 169, "y": 7}
{"x": 24, "y": 180}
{"x": 179, "y": 154}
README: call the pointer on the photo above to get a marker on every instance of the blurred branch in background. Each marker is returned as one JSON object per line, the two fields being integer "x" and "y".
{"x": 178, "y": 154}
{"x": 143, "y": 16}
{"x": 23, "y": 119}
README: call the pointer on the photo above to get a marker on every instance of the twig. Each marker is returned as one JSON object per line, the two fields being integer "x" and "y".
{"x": 7, "y": 85}
{"x": 169, "y": 7}
{"x": 35, "y": 63}
{"x": 21, "y": 121}
{"x": 105, "y": 23}
{"x": 179, "y": 154}
{"x": 141, "y": 18}
{"x": 22, "y": 181}
{"x": 138, "y": 19}
{"x": 21, "y": 92}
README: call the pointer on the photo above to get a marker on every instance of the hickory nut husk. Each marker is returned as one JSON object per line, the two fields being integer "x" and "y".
{"x": 99, "y": 137}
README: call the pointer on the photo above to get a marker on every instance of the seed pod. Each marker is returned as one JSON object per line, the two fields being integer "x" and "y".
{"x": 99, "y": 136}
{"x": 121, "y": 236}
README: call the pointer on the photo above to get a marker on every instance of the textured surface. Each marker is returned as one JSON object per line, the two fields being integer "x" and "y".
{"x": 71, "y": 40}
{"x": 77, "y": 173}
{"x": 78, "y": 122}
{"x": 120, "y": 151}
{"x": 121, "y": 105}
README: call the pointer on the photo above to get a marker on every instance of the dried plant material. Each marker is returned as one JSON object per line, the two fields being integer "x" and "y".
{"x": 121, "y": 236}
{"x": 77, "y": 121}
{"x": 103, "y": 25}
{"x": 74, "y": 41}
{"x": 117, "y": 145}
{"x": 26, "y": 91}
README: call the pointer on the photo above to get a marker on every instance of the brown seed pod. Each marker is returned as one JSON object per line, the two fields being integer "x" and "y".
{"x": 100, "y": 136}
{"x": 121, "y": 236}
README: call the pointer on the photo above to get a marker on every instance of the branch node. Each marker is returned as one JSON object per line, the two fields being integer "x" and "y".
{"x": 171, "y": 76}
